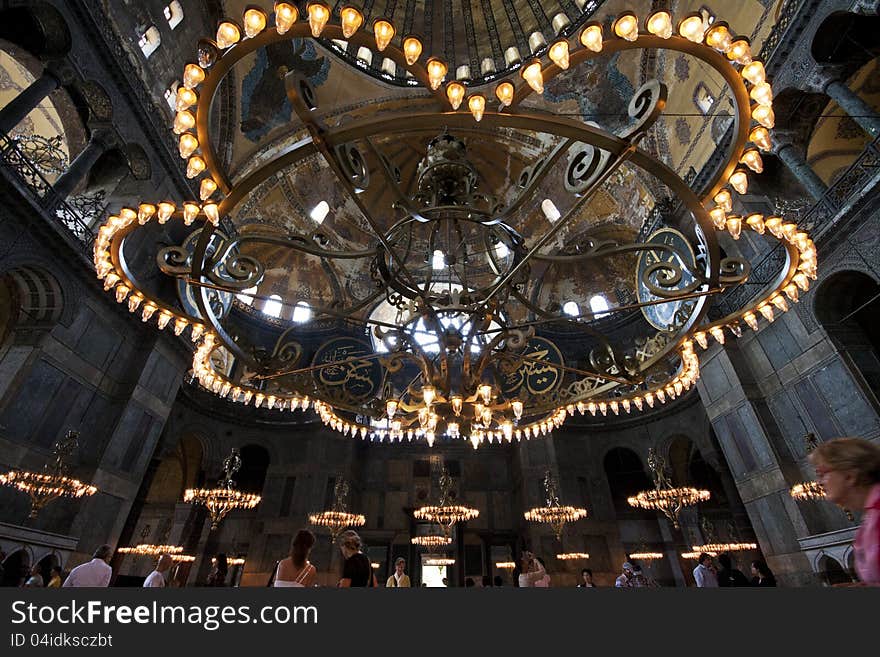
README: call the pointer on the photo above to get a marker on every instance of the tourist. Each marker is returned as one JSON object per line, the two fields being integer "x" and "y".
{"x": 728, "y": 575}
{"x": 704, "y": 573}
{"x": 586, "y": 579}
{"x": 36, "y": 578}
{"x": 357, "y": 570}
{"x": 469, "y": 583}
{"x": 217, "y": 576}
{"x": 849, "y": 471}
{"x": 498, "y": 580}
{"x": 531, "y": 570}
{"x": 399, "y": 579}
{"x": 156, "y": 579}
{"x": 487, "y": 582}
{"x": 640, "y": 580}
{"x": 55, "y": 578}
{"x": 295, "y": 570}
{"x": 761, "y": 574}
{"x": 624, "y": 580}
{"x": 95, "y": 573}
{"x": 544, "y": 582}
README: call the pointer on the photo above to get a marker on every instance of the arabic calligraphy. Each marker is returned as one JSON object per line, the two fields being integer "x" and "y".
{"x": 536, "y": 376}
{"x": 353, "y": 380}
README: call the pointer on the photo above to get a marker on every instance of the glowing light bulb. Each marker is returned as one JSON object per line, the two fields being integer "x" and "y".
{"x": 779, "y": 301}
{"x": 532, "y": 74}
{"x": 228, "y": 35}
{"x": 254, "y": 21}
{"x": 760, "y": 93}
{"x": 455, "y": 94}
{"x": 145, "y": 212}
{"x": 756, "y": 222}
{"x": 517, "y": 407}
{"x": 179, "y": 325}
{"x": 193, "y": 75}
{"x": 212, "y": 213}
{"x": 412, "y": 49}
{"x": 384, "y": 32}
{"x": 319, "y": 14}
{"x": 285, "y": 16}
{"x": 504, "y": 93}
{"x": 194, "y": 166}
{"x": 134, "y": 301}
{"x": 660, "y": 24}
{"x": 436, "y": 72}
{"x": 559, "y": 53}
{"x": 165, "y": 211}
{"x": 591, "y": 37}
{"x": 391, "y": 408}
{"x": 476, "y": 104}
{"x": 190, "y": 212}
{"x": 148, "y": 310}
{"x": 627, "y": 26}
{"x": 724, "y": 199}
{"x": 760, "y": 136}
{"x": 734, "y": 226}
{"x": 791, "y": 291}
{"x": 719, "y": 37}
{"x": 752, "y": 159}
{"x": 187, "y": 145}
{"x": 719, "y": 217}
{"x": 754, "y": 72}
{"x": 122, "y": 292}
{"x": 183, "y": 121}
{"x": 351, "y": 20}
{"x": 691, "y": 27}
{"x": 767, "y": 311}
{"x": 164, "y": 318}
{"x": 700, "y": 337}
{"x": 429, "y": 393}
{"x": 207, "y": 188}
{"x": 739, "y": 180}
{"x": 740, "y": 51}
{"x": 485, "y": 391}
{"x": 185, "y": 98}
{"x": 750, "y": 319}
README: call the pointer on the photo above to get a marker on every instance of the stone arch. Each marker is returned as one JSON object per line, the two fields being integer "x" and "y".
{"x": 40, "y": 28}
{"x": 626, "y": 476}
{"x": 831, "y": 571}
{"x": 255, "y": 460}
{"x": 16, "y": 566}
{"x": 32, "y": 302}
{"x": 846, "y": 38}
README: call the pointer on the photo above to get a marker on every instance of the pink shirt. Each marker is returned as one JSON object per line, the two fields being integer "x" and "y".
{"x": 867, "y": 543}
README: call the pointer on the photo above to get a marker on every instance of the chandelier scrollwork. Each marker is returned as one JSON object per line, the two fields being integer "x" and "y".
{"x": 338, "y": 517}
{"x": 446, "y": 513}
{"x": 554, "y": 513}
{"x": 666, "y": 498}
{"x": 224, "y": 498}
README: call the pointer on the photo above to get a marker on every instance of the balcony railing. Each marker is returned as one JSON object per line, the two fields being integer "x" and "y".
{"x": 26, "y": 161}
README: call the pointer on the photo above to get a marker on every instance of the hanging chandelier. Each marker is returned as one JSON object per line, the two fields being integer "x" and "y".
{"x": 553, "y": 513}
{"x": 467, "y": 351}
{"x": 665, "y": 497}
{"x": 713, "y": 547}
{"x": 52, "y": 483}
{"x": 696, "y": 554}
{"x": 445, "y": 514}
{"x": 439, "y": 561}
{"x": 224, "y": 498}
{"x": 431, "y": 540}
{"x": 572, "y": 556}
{"x": 808, "y": 490}
{"x": 338, "y": 518}
{"x": 646, "y": 555}
{"x": 151, "y": 550}
{"x": 505, "y": 565}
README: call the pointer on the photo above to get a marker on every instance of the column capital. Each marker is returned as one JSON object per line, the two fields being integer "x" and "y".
{"x": 820, "y": 78}
{"x": 104, "y": 136}
{"x": 784, "y": 139}
{"x": 62, "y": 71}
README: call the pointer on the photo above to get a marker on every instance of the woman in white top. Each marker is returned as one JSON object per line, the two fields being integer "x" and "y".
{"x": 296, "y": 570}
{"x": 532, "y": 571}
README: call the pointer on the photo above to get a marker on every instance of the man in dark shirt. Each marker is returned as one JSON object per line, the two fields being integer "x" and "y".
{"x": 728, "y": 575}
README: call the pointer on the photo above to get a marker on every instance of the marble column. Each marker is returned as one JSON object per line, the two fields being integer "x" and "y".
{"x": 857, "y": 109}
{"x": 802, "y": 171}
{"x": 25, "y": 102}
{"x": 99, "y": 142}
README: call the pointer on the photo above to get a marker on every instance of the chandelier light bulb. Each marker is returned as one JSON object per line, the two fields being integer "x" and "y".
{"x": 724, "y": 199}
{"x": 760, "y": 136}
{"x": 779, "y": 301}
{"x": 193, "y": 75}
{"x": 719, "y": 217}
{"x": 456, "y": 403}
{"x": 254, "y": 21}
{"x": 660, "y": 24}
{"x": 517, "y": 407}
{"x": 147, "y": 311}
{"x": 691, "y": 27}
{"x": 740, "y": 51}
{"x": 207, "y": 188}
{"x": 739, "y": 180}
{"x": 429, "y": 393}
{"x": 767, "y": 311}
{"x": 754, "y": 72}
{"x": 187, "y": 145}
{"x": 412, "y": 49}
{"x": 179, "y": 325}
{"x": 700, "y": 337}
{"x": 788, "y": 231}
{"x": 533, "y": 75}
{"x": 756, "y": 223}
{"x": 734, "y": 226}
{"x": 194, "y": 166}
{"x": 559, "y": 53}
{"x": 164, "y": 318}
{"x": 504, "y": 93}
{"x": 760, "y": 93}
{"x": 391, "y": 408}
{"x": 285, "y": 16}
{"x": 185, "y": 98}
{"x": 436, "y": 72}
{"x": 750, "y": 319}
{"x": 319, "y": 14}
{"x": 455, "y": 93}
{"x": 190, "y": 212}
{"x": 351, "y": 20}
{"x": 752, "y": 159}
{"x": 774, "y": 225}
{"x": 134, "y": 301}
{"x": 165, "y": 211}
{"x": 212, "y": 213}
{"x": 183, "y": 121}
{"x": 429, "y": 437}
{"x": 485, "y": 391}
{"x": 477, "y": 104}
{"x": 122, "y": 292}
{"x": 791, "y": 291}
{"x": 719, "y": 37}
{"x": 718, "y": 333}
{"x": 228, "y": 35}
{"x": 627, "y": 26}
{"x": 591, "y": 37}
{"x": 145, "y": 212}
{"x": 384, "y": 32}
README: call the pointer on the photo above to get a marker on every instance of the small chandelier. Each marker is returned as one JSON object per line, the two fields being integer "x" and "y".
{"x": 572, "y": 556}
{"x": 52, "y": 483}
{"x": 439, "y": 561}
{"x": 223, "y": 499}
{"x": 431, "y": 540}
{"x": 646, "y": 556}
{"x": 808, "y": 490}
{"x": 446, "y": 514}
{"x": 713, "y": 548}
{"x": 696, "y": 554}
{"x": 553, "y": 513}
{"x": 505, "y": 565}
{"x": 338, "y": 518}
{"x": 665, "y": 497}
{"x": 151, "y": 550}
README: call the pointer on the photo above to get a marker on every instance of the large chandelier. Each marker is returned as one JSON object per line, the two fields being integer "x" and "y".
{"x": 665, "y": 497}
{"x": 53, "y": 482}
{"x": 445, "y": 513}
{"x": 224, "y": 498}
{"x": 338, "y": 518}
{"x": 553, "y": 513}
{"x": 467, "y": 352}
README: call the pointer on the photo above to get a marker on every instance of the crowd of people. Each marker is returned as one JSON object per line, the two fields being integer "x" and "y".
{"x": 847, "y": 468}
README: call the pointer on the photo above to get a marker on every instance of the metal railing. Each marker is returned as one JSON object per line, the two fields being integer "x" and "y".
{"x": 21, "y": 167}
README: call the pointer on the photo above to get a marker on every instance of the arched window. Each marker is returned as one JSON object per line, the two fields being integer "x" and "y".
{"x": 598, "y": 304}
{"x": 302, "y": 312}
{"x": 173, "y": 14}
{"x": 320, "y": 212}
{"x": 149, "y": 41}
{"x": 273, "y": 306}
{"x": 571, "y": 308}
{"x": 171, "y": 95}
{"x": 244, "y": 296}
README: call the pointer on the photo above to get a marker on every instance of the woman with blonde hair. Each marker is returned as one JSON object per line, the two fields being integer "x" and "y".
{"x": 357, "y": 570}
{"x": 849, "y": 471}
{"x": 295, "y": 570}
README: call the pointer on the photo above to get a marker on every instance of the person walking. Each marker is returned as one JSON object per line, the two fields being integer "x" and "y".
{"x": 156, "y": 579}
{"x": 399, "y": 579}
{"x": 704, "y": 573}
{"x": 95, "y": 573}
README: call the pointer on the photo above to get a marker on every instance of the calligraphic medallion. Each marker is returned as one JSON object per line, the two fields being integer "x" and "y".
{"x": 348, "y": 372}
{"x": 536, "y": 373}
